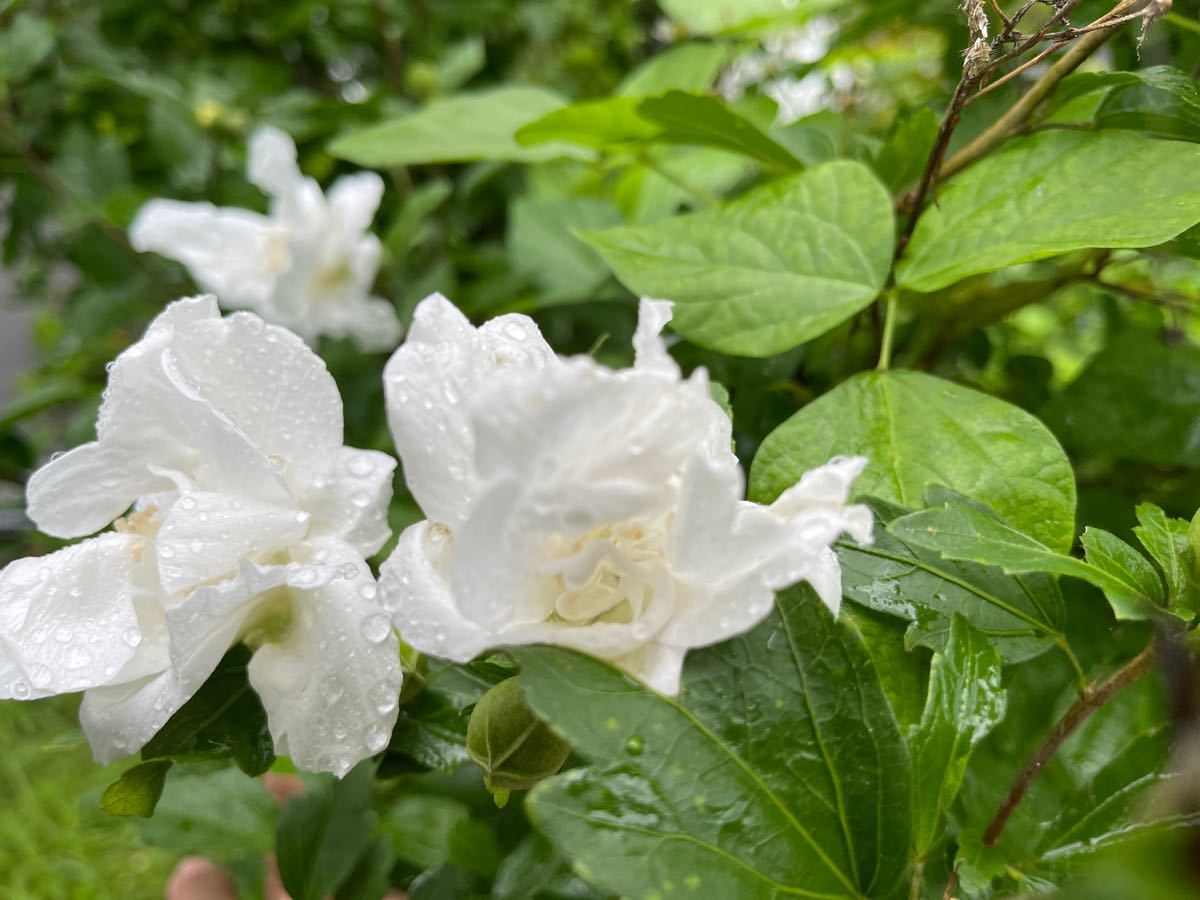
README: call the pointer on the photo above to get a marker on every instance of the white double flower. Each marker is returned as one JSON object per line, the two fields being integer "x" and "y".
{"x": 572, "y": 504}
{"x": 250, "y": 522}
{"x": 308, "y": 266}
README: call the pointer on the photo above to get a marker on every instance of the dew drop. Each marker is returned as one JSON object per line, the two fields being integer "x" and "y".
{"x": 383, "y": 697}
{"x": 376, "y": 628}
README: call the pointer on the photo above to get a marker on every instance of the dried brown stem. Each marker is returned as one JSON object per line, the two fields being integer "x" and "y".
{"x": 1097, "y": 694}
{"x": 1019, "y": 114}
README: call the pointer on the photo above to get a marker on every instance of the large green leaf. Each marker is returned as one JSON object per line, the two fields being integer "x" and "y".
{"x": 965, "y": 701}
{"x": 324, "y": 832}
{"x": 542, "y": 245}
{"x": 462, "y": 128}
{"x": 1160, "y": 100}
{"x": 917, "y": 431}
{"x": 676, "y": 117}
{"x": 780, "y": 771}
{"x": 684, "y": 67}
{"x": 1021, "y": 616}
{"x": 704, "y": 121}
{"x": 777, "y": 267}
{"x": 1138, "y": 400}
{"x": 718, "y": 16}
{"x": 1052, "y": 193}
{"x": 969, "y": 533}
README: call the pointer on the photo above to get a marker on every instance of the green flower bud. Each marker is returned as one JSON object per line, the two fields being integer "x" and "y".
{"x": 512, "y": 747}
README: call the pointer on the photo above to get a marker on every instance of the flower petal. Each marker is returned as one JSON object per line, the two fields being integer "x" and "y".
{"x": 271, "y": 160}
{"x": 269, "y": 383}
{"x": 82, "y": 491}
{"x": 649, "y": 351}
{"x": 235, "y": 253}
{"x": 119, "y": 719}
{"x": 353, "y": 200}
{"x": 658, "y": 665}
{"x": 351, "y": 502}
{"x": 331, "y": 688}
{"x": 429, "y": 382}
{"x": 207, "y": 622}
{"x": 205, "y": 535}
{"x": 415, "y": 590}
{"x": 155, "y": 414}
{"x": 67, "y": 620}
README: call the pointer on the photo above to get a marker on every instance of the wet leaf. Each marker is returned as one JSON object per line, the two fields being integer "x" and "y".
{"x": 779, "y": 770}
{"x": 137, "y": 791}
{"x": 1021, "y": 616}
{"x": 777, "y": 267}
{"x": 965, "y": 701}
{"x": 917, "y": 431}
{"x": 1049, "y": 194}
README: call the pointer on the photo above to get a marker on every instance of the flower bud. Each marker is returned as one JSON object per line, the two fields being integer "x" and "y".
{"x": 512, "y": 747}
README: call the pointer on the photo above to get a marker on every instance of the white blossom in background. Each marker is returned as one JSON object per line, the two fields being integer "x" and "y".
{"x": 568, "y": 503}
{"x": 250, "y": 521}
{"x": 768, "y": 69}
{"x": 309, "y": 266}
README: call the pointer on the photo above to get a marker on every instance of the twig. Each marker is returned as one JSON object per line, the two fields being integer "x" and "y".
{"x": 1096, "y": 695}
{"x": 951, "y": 884}
{"x": 1018, "y": 116}
{"x": 933, "y": 165}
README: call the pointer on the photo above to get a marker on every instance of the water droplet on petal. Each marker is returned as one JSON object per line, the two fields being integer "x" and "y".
{"x": 376, "y": 628}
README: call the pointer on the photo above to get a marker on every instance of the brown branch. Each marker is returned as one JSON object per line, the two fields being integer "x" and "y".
{"x": 1018, "y": 116}
{"x": 1097, "y": 694}
{"x": 951, "y": 884}
{"x": 933, "y": 165}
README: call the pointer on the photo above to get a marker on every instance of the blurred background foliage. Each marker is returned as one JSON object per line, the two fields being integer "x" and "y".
{"x": 104, "y": 105}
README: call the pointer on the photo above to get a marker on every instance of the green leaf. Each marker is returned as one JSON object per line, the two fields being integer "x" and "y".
{"x": 324, "y": 832}
{"x": 704, "y": 121}
{"x": 676, "y": 117}
{"x": 684, "y": 67}
{"x": 221, "y": 814}
{"x": 137, "y": 791}
{"x": 223, "y": 720}
{"x": 777, "y": 267}
{"x": 965, "y": 701}
{"x": 543, "y": 246}
{"x": 1049, "y": 194}
{"x": 902, "y": 159}
{"x": 371, "y": 878}
{"x": 601, "y": 124}
{"x": 1137, "y": 400}
{"x": 536, "y": 870}
{"x": 1106, "y": 802}
{"x": 917, "y": 431}
{"x": 467, "y": 127}
{"x": 1160, "y": 100}
{"x": 780, "y": 769}
{"x": 975, "y": 535}
{"x": 430, "y": 831}
{"x": 725, "y": 16}
{"x": 1166, "y": 540}
{"x": 1124, "y": 564}
{"x": 24, "y": 43}
{"x": 1021, "y": 616}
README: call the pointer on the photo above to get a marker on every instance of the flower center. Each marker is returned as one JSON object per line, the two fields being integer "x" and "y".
{"x": 609, "y": 574}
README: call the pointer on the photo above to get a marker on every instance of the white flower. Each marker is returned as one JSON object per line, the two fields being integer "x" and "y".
{"x": 308, "y": 266}
{"x": 251, "y": 522}
{"x": 571, "y": 504}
